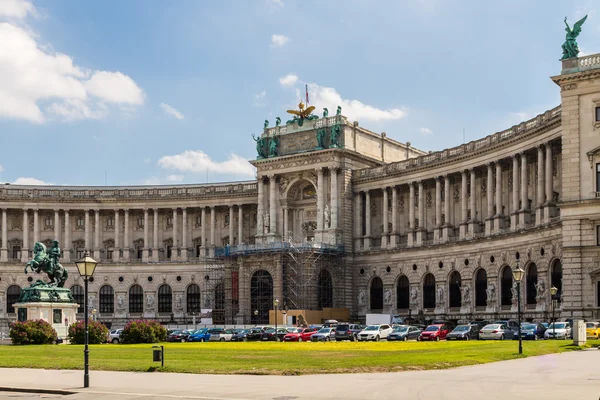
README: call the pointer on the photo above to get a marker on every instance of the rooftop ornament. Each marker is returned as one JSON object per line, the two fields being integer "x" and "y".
{"x": 570, "y": 48}
{"x": 302, "y": 114}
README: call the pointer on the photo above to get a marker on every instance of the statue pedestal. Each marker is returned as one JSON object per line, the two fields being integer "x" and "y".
{"x": 60, "y": 315}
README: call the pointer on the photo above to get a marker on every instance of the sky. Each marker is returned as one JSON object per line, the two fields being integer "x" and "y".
{"x": 144, "y": 92}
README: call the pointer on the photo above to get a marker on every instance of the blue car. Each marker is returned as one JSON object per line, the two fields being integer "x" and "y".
{"x": 531, "y": 331}
{"x": 200, "y": 335}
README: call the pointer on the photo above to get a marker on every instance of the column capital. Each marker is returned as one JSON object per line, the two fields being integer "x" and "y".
{"x": 464, "y": 171}
{"x": 489, "y": 164}
{"x": 57, "y": 210}
{"x": 66, "y": 210}
{"x": 126, "y": 210}
{"x": 35, "y": 210}
{"x": 334, "y": 168}
{"x": 384, "y": 188}
{"x": 540, "y": 146}
{"x": 438, "y": 178}
{"x": 184, "y": 209}
{"x": 175, "y": 209}
{"x": 272, "y": 176}
{"x": 472, "y": 170}
{"x": 319, "y": 170}
{"x": 25, "y": 209}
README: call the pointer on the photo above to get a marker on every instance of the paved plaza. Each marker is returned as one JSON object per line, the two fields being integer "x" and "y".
{"x": 557, "y": 376}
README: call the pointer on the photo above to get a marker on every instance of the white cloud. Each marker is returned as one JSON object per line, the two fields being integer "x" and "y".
{"x": 260, "y": 99}
{"x": 169, "y": 110}
{"x": 279, "y": 40}
{"x": 288, "y": 80}
{"x": 37, "y": 83}
{"x": 30, "y": 181}
{"x": 174, "y": 178}
{"x": 16, "y": 8}
{"x": 426, "y": 131}
{"x": 199, "y": 162}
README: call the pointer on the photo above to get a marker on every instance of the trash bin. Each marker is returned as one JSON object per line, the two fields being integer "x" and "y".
{"x": 158, "y": 354}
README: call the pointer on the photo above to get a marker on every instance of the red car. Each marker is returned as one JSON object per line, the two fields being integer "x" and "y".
{"x": 299, "y": 335}
{"x": 435, "y": 332}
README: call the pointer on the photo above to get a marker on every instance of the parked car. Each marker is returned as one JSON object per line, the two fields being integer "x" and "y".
{"x": 512, "y": 325}
{"x": 299, "y": 334}
{"x": 495, "y": 332}
{"x": 115, "y": 336}
{"x": 323, "y": 335}
{"x": 404, "y": 333}
{"x": 330, "y": 323}
{"x": 545, "y": 324}
{"x": 220, "y": 335}
{"x": 531, "y": 331}
{"x": 558, "y": 330}
{"x": 255, "y": 333}
{"x": 199, "y": 335}
{"x": 240, "y": 336}
{"x": 375, "y": 332}
{"x": 435, "y": 332}
{"x": 178, "y": 336}
{"x": 592, "y": 330}
{"x": 347, "y": 331}
{"x": 270, "y": 335}
{"x": 464, "y": 332}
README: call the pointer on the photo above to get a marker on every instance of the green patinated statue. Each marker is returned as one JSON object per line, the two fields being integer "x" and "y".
{"x": 273, "y": 146}
{"x": 339, "y": 110}
{"x": 48, "y": 262}
{"x": 321, "y": 139}
{"x": 260, "y": 146}
{"x": 570, "y": 48}
{"x": 335, "y": 135}
{"x": 277, "y": 121}
{"x": 325, "y": 113}
{"x": 266, "y": 124}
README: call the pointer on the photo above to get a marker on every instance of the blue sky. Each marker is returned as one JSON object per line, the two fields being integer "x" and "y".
{"x": 149, "y": 92}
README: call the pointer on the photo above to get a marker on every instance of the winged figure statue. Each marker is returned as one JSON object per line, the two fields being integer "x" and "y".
{"x": 302, "y": 112}
{"x": 570, "y": 48}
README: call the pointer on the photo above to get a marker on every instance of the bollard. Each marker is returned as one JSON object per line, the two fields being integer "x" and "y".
{"x": 158, "y": 354}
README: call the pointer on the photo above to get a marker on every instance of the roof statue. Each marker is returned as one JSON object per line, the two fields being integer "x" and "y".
{"x": 301, "y": 114}
{"x": 570, "y": 48}
{"x": 266, "y": 124}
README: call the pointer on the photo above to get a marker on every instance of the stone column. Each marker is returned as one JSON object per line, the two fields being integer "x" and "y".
{"x": 334, "y": 197}
{"x": 320, "y": 198}
{"x": 155, "y": 245}
{"x": 411, "y": 214}
{"x": 524, "y": 211}
{"x": 231, "y": 243}
{"x": 174, "y": 249}
{"x": 184, "y": 229}
{"x": 57, "y": 225}
{"x": 422, "y": 228}
{"x": 126, "y": 242}
{"x": 260, "y": 209}
{"x": 384, "y": 209}
{"x": 540, "y": 186}
{"x": 394, "y": 235}
{"x": 446, "y": 229}
{"x": 550, "y": 207}
{"x": 213, "y": 220}
{"x": 117, "y": 251}
{"x": 36, "y": 226}
{"x": 146, "y": 240}
{"x": 367, "y": 242}
{"x": 499, "y": 217}
{"x": 4, "y": 250}
{"x": 241, "y": 225}
{"x": 273, "y": 205}
{"x": 514, "y": 215}
{"x": 490, "y": 200}
{"x": 25, "y": 250}
{"x": 473, "y": 222}
{"x": 357, "y": 221}
{"x": 463, "y": 206}
{"x": 67, "y": 244}
{"x": 86, "y": 234}
{"x": 437, "y": 230}
{"x": 284, "y": 234}
{"x": 203, "y": 230}
{"x": 97, "y": 234}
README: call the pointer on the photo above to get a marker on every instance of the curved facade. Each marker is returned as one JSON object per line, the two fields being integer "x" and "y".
{"x": 342, "y": 217}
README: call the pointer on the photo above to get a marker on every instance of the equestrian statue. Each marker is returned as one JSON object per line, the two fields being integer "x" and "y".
{"x": 47, "y": 261}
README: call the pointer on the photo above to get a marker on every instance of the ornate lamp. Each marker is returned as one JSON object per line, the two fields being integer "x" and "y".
{"x": 86, "y": 267}
{"x": 518, "y": 273}
{"x": 553, "y": 291}
{"x": 276, "y": 304}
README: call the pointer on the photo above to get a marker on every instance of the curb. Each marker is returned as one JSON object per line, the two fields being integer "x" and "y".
{"x": 33, "y": 390}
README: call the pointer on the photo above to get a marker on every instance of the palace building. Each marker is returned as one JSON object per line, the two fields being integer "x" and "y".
{"x": 341, "y": 217}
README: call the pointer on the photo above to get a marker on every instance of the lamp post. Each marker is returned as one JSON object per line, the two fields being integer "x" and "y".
{"x": 86, "y": 267}
{"x": 276, "y": 304}
{"x": 553, "y": 291}
{"x": 94, "y": 312}
{"x": 255, "y": 316}
{"x": 517, "y": 276}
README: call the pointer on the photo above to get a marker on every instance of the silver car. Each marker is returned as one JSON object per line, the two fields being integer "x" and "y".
{"x": 495, "y": 332}
{"x": 323, "y": 335}
{"x": 558, "y": 330}
{"x": 115, "y": 336}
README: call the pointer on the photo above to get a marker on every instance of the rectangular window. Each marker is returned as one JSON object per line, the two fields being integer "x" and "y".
{"x": 80, "y": 253}
{"x": 110, "y": 222}
{"x": 169, "y": 251}
{"x": 598, "y": 177}
{"x": 109, "y": 253}
{"x": 139, "y": 251}
{"x": 16, "y": 252}
{"x": 80, "y": 222}
{"x": 597, "y": 114}
{"x": 597, "y": 235}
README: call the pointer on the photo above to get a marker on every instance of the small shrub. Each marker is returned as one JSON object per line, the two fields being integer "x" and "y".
{"x": 97, "y": 332}
{"x": 143, "y": 331}
{"x": 32, "y": 332}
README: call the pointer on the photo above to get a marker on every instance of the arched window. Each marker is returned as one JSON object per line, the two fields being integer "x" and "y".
{"x": 193, "y": 298}
{"x": 556, "y": 278}
{"x": 376, "y": 294}
{"x": 325, "y": 289}
{"x": 107, "y": 299}
{"x": 481, "y": 288}
{"x": 78, "y": 296}
{"x": 218, "y": 312}
{"x": 165, "y": 299}
{"x": 429, "y": 291}
{"x": 454, "y": 290}
{"x": 136, "y": 299}
{"x": 532, "y": 280}
{"x": 261, "y": 296}
{"x": 506, "y": 282}
{"x": 12, "y": 296}
{"x": 403, "y": 293}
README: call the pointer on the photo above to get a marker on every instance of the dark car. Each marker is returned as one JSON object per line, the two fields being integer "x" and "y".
{"x": 347, "y": 331}
{"x": 464, "y": 332}
{"x": 255, "y": 333}
{"x": 404, "y": 333}
{"x": 512, "y": 326}
{"x": 178, "y": 336}
{"x": 241, "y": 336}
{"x": 270, "y": 335}
{"x": 531, "y": 331}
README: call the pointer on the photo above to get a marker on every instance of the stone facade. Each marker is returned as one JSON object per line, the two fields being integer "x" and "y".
{"x": 372, "y": 225}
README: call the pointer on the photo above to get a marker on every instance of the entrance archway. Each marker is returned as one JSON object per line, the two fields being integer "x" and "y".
{"x": 261, "y": 296}
{"x": 506, "y": 282}
{"x": 403, "y": 293}
{"x": 325, "y": 289}
{"x": 302, "y": 210}
{"x": 532, "y": 280}
{"x": 454, "y": 290}
{"x": 556, "y": 277}
{"x": 480, "y": 288}
{"x": 429, "y": 291}
{"x": 376, "y": 294}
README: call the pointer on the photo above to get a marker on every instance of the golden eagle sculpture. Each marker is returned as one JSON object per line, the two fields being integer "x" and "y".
{"x": 302, "y": 113}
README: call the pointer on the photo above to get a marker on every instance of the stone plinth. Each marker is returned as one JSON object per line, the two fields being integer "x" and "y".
{"x": 60, "y": 315}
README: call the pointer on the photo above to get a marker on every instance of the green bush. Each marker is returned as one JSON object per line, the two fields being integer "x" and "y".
{"x": 143, "y": 331}
{"x": 32, "y": 332}
{"x": 97, "y": 332}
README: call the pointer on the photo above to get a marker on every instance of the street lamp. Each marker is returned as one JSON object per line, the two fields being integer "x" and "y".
{"x": 553, "y": 291}
{"x": 94, "y": 312}
{"x": 517, "y": 276}
{"x": 256, "y": 316}
{"x": 86, "y": 267}
{"x": 276, "y": 304}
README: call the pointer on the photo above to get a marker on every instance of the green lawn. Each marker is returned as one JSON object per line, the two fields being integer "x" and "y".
{"x": 276, "y": 358}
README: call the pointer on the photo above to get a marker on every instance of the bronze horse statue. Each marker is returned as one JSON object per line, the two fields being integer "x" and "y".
{"x": 42, "y": 262}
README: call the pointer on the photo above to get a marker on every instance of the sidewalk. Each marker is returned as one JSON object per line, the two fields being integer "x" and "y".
{"x": 558, "y": 376}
